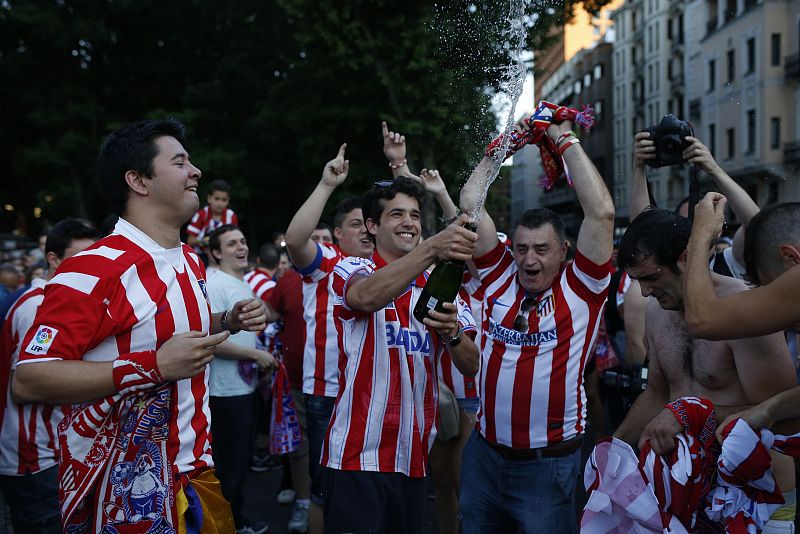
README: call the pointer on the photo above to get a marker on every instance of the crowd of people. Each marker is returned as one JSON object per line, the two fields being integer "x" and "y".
{"x": 144, "y": 377}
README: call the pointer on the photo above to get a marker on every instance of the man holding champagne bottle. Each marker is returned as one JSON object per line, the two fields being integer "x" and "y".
{"x": 375, "y": 452}
{"x": 521, "y": 464}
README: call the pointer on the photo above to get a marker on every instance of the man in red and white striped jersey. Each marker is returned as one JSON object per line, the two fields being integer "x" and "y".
{"x": 382, "y": 426}
{"x": 314, "y": 257}
{"x": 122, "y": 336}
{"x": 540, "y": 320}
{"x": 262, "y": 279}
{"x": 28, "y": 472}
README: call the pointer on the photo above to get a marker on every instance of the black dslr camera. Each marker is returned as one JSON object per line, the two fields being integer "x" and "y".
{"x": 626, "y": 381}
{"x": 669, "y": 137}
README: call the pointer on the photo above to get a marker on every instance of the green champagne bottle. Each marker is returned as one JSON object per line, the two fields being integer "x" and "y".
{"x": 442, "y": 285}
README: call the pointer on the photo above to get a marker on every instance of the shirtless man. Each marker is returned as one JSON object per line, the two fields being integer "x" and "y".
{"x": 732, "y": 374}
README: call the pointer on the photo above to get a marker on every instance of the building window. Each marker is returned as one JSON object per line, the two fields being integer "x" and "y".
{"x": 751, "y": 131}
{"x": 775, "y": 55}
{"x": 775, "y": 132}
{"x": 712, "y": 74}
{"x": 731, "y": 65}
{"x": 730, "y": 133}
{"x": 669, "y": 29}
{"x": 712, "y": 138}
{"x": 577, "y": 87}
{"x": 751, "y": 55}
{"x": 587, "y": 80}
{"x": 730, "y": 10}
{"x": 598, "y": 108}
{"x": 656, "y": 70}
{"x": 658, "y": 37}
{"x": 598, "y": 71}
{"x": 669, "y": 69}
{"x": 649, "y": 81}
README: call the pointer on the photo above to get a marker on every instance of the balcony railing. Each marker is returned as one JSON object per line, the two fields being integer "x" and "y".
{"x": 791, "y": 67}
{"x": 791, "y": 152}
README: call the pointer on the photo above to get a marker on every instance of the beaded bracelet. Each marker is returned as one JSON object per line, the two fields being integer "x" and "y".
{"x": 393, "y": 166}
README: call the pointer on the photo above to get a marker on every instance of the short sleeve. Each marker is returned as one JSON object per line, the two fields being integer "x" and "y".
{"x": 494, "y": 263}
{"x": 69, "y": 323}
{"x": 324, "y": 262}
{"x": 592, "y": 276}
{"x": 344, "y": 272}
{"x": 465, "y": 318}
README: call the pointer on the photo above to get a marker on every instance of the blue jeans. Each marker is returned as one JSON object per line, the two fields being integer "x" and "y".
{"x": 33, "y": 500}
{"x": 318, "y": 415}
{"x": 501, "y": 495}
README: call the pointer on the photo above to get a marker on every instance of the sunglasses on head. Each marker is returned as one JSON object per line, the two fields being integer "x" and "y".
{"x": 383, "y": 183}
{"x": 521, "y": 320}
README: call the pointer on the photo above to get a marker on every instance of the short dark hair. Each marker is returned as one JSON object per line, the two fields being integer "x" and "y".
{"x": 375, "y": 200}
{"x": 538, "y": 217}
{"x": 132, "y": 148}
{"x": 65, "y": 231}
{"x": 344, "y": 207}
{"x": 773, "y": 226}
{"x": 324, "y": 226}
{"x": 214, "y": 237}
{"x": 219, "y": 185}
{"x": 658, "y": 233}
{"x": 269, "y": 256}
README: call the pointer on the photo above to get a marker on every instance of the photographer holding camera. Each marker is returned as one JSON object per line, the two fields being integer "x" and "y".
{"x": 658, "y": 146}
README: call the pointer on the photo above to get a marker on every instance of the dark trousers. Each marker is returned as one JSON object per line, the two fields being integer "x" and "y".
{"x": 33, "y": 501}
{"x": 362, "y": 502}
{"x": 232, "y": 446}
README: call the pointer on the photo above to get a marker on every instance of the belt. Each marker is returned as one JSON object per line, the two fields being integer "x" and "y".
{"x": 556, "y": 450}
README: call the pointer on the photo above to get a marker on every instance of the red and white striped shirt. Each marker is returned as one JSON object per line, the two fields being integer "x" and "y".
{"x": 384, "y": 415}
{"x": 261, "y": 283}
{"x": 321, "y": 354}
{"x": 464, "y": 387}
{"x": 531, "y": 383}
{"x": 127, "y": 294}
{"x": 27, "y": 432}
{"x": 203, "y": 222}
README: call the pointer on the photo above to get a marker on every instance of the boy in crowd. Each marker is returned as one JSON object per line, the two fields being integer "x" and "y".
{"x": 212, "y": 215}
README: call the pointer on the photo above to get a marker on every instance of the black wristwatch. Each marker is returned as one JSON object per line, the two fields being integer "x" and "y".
{"x": 224, "y": 323}
{"x": 454, "y": 340}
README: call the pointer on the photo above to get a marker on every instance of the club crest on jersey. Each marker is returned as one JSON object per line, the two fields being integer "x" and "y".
{"x": 410, "y": 340}
{"x": 42, "y": 340}
{"x": 202, "y": 284}
{"x": 545, "y": 307}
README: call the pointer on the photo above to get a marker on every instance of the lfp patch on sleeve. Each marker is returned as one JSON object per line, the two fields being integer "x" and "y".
{"x": 41, "y": 342}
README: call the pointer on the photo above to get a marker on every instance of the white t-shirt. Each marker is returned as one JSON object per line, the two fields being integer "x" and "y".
{"x": 224, "y": 291}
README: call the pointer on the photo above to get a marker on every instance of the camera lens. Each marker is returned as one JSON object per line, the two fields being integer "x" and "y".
{"x": 670, "y": 145}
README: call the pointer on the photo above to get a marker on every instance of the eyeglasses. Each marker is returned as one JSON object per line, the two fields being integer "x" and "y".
{"x": 383, "y": 183}
{"x": 521, "y": 320}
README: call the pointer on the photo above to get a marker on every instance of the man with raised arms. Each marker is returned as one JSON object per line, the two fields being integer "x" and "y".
{"x": 521, "y": 465}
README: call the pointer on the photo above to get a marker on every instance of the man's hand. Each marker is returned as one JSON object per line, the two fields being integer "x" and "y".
{"x": 444, "y": 323}
{"x": 643, "y": 149}
{"x": 394, "y": 146}
{"x": 554, "y": 131}
{"x": 335, "y": 171}
{"x": 661, "y": 432}
{"x": 709, "y": 216}
{"x": 758, "y": 417}
{"x": 185, "y": 355}
{"x": 433, "y": 182}
{"x": 265, "y": 360}
{"x": 701, "y": 156}
{"x": 454, "y": 242}
{"x": 250, "y": 315}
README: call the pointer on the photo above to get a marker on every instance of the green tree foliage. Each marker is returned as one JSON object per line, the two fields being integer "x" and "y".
{"x": 268, "y": 89}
